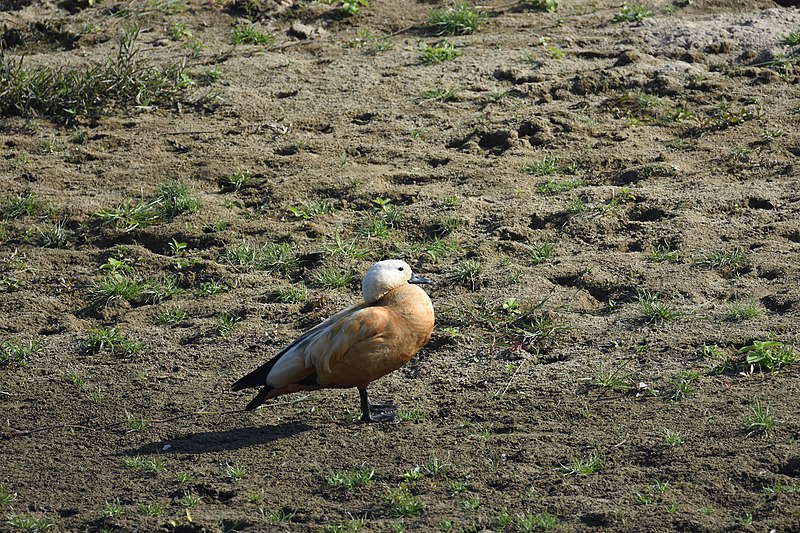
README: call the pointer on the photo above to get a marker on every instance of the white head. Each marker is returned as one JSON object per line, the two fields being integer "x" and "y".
{"x": 386, "y": 275}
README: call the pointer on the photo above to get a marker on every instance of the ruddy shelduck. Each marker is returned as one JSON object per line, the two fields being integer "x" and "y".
{"x": 355, "y": 346}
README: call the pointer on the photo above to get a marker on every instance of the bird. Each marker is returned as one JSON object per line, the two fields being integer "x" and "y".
{"x": 355, "y": 346}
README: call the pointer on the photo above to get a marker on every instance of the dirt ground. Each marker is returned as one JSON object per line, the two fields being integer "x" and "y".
{"x": 609, "y": 209}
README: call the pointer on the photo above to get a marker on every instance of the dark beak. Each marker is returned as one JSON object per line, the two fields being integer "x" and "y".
{"x": 417, "y": 280}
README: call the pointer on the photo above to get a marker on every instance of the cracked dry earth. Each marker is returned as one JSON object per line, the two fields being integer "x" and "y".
{"x": 609, "y": 209}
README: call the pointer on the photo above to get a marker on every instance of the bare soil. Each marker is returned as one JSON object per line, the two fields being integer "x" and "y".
{"x": 681, "y": 130}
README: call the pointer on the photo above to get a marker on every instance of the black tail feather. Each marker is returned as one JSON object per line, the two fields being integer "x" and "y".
{"x": 259, "y": 399}
{"x": 256, "y": 378}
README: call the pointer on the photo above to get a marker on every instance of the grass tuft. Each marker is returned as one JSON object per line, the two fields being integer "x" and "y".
{"x": 655, "y": 311}
{"x": 468, "y": 272}
{"x": 760, "y": 419}
{"x": 457, "y": 20}
{"x": 632, "y": 13}
{"x": 584, "y": 465}
{"x": 357, "y": 476}
{"x": 251, "y": 34}
{"x": 402, "y": 502}
{"x": 442, "y": 51}
{"x": 768, "y": 355}
{"x": 17, "y": 352}
{"x": 100, "y": 339}
{"x": 64, "y": 93}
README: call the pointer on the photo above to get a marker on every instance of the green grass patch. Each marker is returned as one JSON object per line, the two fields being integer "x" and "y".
{"x": 767, "y": 355}
{"x": 18, "y": 352}
{"x": 127, "y": 79}
{"x": 272, "y": 257}
{"x": 111, "y": 340}
{"x": 459, "y": 19}
{"x": 357, "y": 476}
{"x": 172, "y": 199}
{"x": 632, "y": 13}
{"x": 251, "y": 34}
{"x": 442, "y": 51}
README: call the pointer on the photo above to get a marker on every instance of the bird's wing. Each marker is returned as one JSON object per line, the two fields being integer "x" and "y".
{"x": 359, "y": 330}
{"x": 258, "y": 377}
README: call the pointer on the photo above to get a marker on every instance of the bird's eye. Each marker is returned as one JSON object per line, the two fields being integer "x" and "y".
{"x": 400, "y": 269}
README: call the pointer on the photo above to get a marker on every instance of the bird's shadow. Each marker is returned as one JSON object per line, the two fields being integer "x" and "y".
{"x": 218, "y": 441}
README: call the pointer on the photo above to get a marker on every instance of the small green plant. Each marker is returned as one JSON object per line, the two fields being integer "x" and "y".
{"x": 447, "y": 225}
{"x": 684, "y": 384}
{"x": 6, "y": 496}
{"x": 251, "y": 34}
{"x": 791, "y": 39}
{"x": 29, "y": 523}
{"x": 615, "y": 380}
{"x": 310, "y": 209}
{"x": 149, "y": 466}
{"x": 189, "y": 500}
{"x": 436, "y": 467}
{"x": 171, "y": 316}
{"x": 467, "y": 272}
{"x": 471, "y": 504}
{"x": 112, "y": 509}
{"x": 536, "y": 522}
{"x": 357, "y": 476}
{"x": 235, "y": 181}
{"x": 544, "y": 5}
{"x": 779, "y": 488}
{"x": 673, "y": 438}
{"x": 24, "y": 204}
{"x": 655, "y": 311}
{"x": 402, "y": 502}
{"x": 352, "y": 7}
{"x": 18, "y": 352}
{"x": 292, "y": 294}
{"x": 632, "y": 13}
{"x": 767, "y": 355}
{"x": 663, "y": 252}
{"x": 413, "y": 474}
{"x": 235, "y": 472}
{"x": 175, "y": 199}
{"x": 619, "y": 198}
{"x": 272, "y": 257}
{"x": 375, "y": 227}
{"x": 438, "y": 94}
{"x": 75, "y": 379}
{"x": 178, "y": 31}
{"x": 760, "y": 419}
{"x": 331, "y": 278}
{"x": 457, "y": 20}
{"x": 280, "y": 516}
{"x": 584, "y": 465}
{"x": 210, "y": 288}
{"x": 723, "y": 260}
{"x": 550, "y": 166}
{"x": 137, "y": 291}
{"x": 109, "y": 339}
{"x": 456, "y": 487}
{"x": 540, "y": 252}
{"x": 136, "y": 423}
{"x": 226, "y": 322}
{"x": 553, "y": 187}
{"x": 442, "y": 51}
{"x": 741, "y": 311}
{"x": 183, "y": 477}
{"x": 55, "y": 235}
{"x": 411, "y": 415}
{"x": 151, "y": 509}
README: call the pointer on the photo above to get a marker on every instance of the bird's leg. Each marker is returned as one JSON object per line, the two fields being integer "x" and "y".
{"x": 375, "y": 412}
